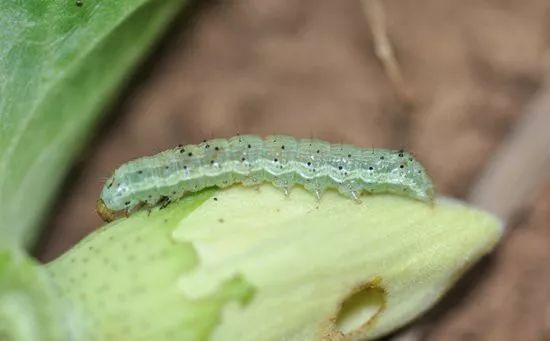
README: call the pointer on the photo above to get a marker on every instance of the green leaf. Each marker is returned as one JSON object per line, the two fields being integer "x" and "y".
{"x": 59, "y": 65}
{"x": 245, "y": 264}
{"x": 30, "y": 308}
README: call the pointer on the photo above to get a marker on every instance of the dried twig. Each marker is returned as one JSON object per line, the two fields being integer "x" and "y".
{"x": 374, "y": 12}
{"x": 520, "y": 164}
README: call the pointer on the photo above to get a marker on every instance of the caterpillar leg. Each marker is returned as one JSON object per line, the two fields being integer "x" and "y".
{"x": 317, "y": 194}
{"x": 355, "y": 196}
{"x": 351, "y": 189}
{"x": 163, "y": 202}
{"x": 285, "y": 191}
{"x": 251, "y": 181}
{"x": 316, "y": 188}
{"x": 133, "y": 208}
{"x": 283, "y": 184}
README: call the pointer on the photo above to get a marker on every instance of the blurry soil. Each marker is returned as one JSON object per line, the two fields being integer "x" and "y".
{"x": 308, "y": 68}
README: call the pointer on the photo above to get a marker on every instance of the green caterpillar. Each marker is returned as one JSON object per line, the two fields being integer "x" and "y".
{"x": 282, "y": 160}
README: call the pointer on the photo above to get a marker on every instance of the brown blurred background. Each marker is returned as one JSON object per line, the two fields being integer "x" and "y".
{"x": 470, "y": 69}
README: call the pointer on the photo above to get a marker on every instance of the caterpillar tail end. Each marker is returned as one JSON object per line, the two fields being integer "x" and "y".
{"x": 105, "y": 213}
{"x": 431, "y": 197}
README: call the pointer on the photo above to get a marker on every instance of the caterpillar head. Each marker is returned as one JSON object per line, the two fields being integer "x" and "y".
{"x": 105, "y": 213}
{"x": 113, "y": 201}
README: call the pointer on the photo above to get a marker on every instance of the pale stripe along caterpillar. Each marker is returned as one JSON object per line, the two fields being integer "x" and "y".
{"x": 282, "y": 160}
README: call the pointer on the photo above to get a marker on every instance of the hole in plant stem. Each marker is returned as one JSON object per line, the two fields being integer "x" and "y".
{"x": 361, "y": 308}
